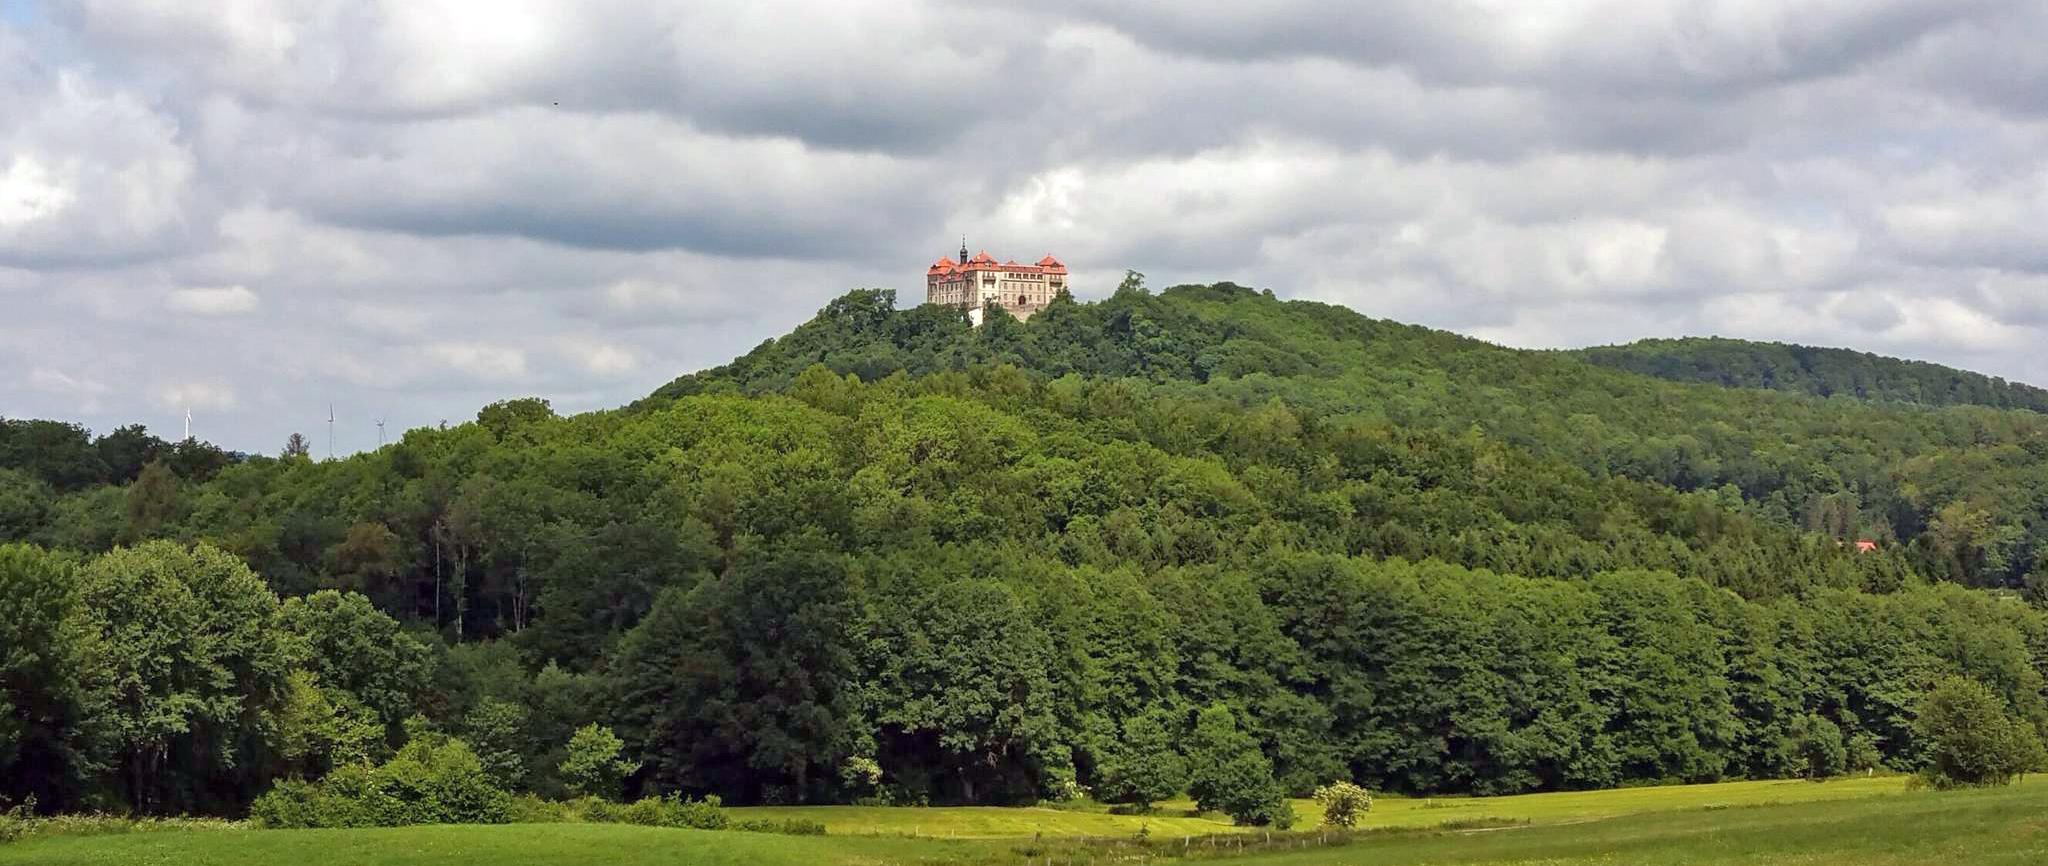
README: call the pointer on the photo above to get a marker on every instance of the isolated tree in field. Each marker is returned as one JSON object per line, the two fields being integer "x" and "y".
{"x": 1142, "y": 767}
{"x": 1344, "y": 804}
{"x": 593, "y": 766}
{"x": 1970, "y": 738}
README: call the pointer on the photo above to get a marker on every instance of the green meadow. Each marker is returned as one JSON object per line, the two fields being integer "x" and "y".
{"x": 1178, "y": 818}
{"x": 1860, "y": 821}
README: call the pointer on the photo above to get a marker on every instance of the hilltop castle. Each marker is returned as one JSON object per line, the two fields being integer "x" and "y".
{"x": 980, "y": 282}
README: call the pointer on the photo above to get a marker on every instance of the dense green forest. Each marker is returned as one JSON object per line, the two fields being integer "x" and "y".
{"x": 991, "y": 563}
{"x": 1816, "y": 371}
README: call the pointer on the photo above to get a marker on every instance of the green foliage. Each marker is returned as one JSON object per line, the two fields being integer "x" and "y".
{"x": 1821, "y": 748}
{"x": 999, "y": 562}
{"x": 434, "y": 779}
{"x": 187, "y": 639}
{"x": 785, "y": 827}
{"x": 1815, "y": 371}
{"x": 16, "y": 819}
{"x": 593, "y": 766}
{"x": 1344, "y": 804}
{"x": 744, "y": 682}
{"x": 1971, "y": 739}
{"x": 1227, "y": 773}
{"x": 357, "y": 649}
{"x": 675, "y": 811}
{"x": 495, "y": 729}
{"x": 1141, "y": 767}
{"x": 52, "y": 736}
{"x": 318, "y": 728}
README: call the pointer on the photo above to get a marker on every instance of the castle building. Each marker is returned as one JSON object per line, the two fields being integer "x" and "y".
{"x": 981, "y": 282}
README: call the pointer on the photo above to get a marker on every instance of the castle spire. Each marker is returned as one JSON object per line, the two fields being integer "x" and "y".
{"x": 963, "y": 249}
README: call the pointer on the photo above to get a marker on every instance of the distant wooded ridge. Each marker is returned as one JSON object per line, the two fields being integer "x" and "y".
{"x": 1817, "y": 371}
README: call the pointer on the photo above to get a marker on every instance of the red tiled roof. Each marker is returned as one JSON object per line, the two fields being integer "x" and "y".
{"x": 982, "y": 261}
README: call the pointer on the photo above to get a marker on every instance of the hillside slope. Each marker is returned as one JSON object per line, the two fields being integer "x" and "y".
{"x": 1818, "y": 372}
{"x": 1962, "y": 485}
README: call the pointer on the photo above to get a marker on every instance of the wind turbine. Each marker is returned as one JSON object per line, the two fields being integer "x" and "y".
{"x": 330, "y": 431}
{"x": 380, "y": 430}
{"x": 188, "y": 423}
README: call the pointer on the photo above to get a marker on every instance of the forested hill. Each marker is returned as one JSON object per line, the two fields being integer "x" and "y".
{"x": 1962, "y": 486}
{"x": 890, "y": 557}
{"x": 1819, "y": 372}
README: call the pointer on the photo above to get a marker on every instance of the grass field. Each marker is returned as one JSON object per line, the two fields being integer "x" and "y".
{"x": 1176, "y": 819}
{"x": 1871, "y": 821}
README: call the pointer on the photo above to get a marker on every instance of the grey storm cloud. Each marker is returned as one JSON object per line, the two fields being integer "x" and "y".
{"x": 409, "y": 208}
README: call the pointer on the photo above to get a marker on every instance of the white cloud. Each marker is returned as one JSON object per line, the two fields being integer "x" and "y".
{"x": 603, "y": 359}
{"x": 91, "y": 172}
{"x": 421, "y": 207}
{"x": 27, "y": 193}
{"x": 480, "y": 360}
{"x": 82, "y": 392}
{"x": 196, "y": 395}
{"x": 213, "y": 301}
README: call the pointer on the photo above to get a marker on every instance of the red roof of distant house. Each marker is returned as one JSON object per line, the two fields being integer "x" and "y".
{"x": 1866, "y": 546}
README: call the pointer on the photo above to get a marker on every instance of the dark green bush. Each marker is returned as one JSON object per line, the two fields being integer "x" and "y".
{"x": 786, "y": 827}
{"x": 433, "y": 780}
{"x": 674, "y": 811}
{"x": 1971, "y": 738}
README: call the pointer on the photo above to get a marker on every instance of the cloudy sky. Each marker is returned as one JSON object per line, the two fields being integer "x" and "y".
{"x": 253, "y": 208}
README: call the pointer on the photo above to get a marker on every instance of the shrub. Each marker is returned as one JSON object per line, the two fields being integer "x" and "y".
{"x": 1343, "y": 803}
{"x": 1970, "y": 739}
{"x": 674, "y": 811}
{"x": 15, "y": 822}
{"x": 593, "y": 765}
{"x": 597, "y": 810}
{"x": 290, "y": 803}
{"x": 786, "y": 827}
{"x": 21, "y": 822}
{"x": 433, "y": 780}
{"x": 861, "y": 776}
{"x": 529, "y": 809}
